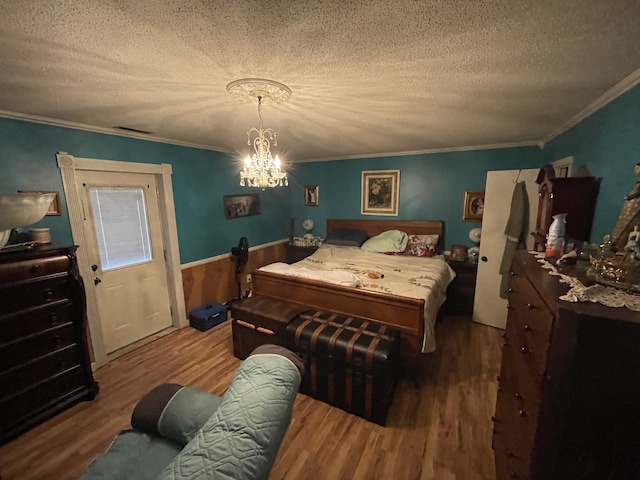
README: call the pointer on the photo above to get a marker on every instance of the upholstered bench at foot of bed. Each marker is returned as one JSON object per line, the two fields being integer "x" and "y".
{"x": 350, "y": 363}
{"x": 258, "y": 321}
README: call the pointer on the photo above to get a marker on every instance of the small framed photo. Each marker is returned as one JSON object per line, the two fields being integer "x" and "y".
{"x": 236, "y": 206}
{"x": 458, "y": 253}
{"x": 473, "y": 205}
{"x": 54, "y": 208}
{"x": 380, "y": 191}
{"x": 311, "y": 195}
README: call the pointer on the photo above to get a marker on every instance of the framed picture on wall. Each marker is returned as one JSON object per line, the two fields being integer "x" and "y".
{"x": 380, "y": 192}
{"x": 311, "y": 195}
{"x": 54, "y": 208}
{"x": 236, "y": 206}
{"x": 473, "y": 205}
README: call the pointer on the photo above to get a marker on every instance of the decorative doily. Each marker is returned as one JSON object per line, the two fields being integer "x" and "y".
{"x": 609, "y": 296}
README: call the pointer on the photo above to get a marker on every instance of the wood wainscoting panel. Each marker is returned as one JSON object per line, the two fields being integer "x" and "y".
{"x": 216, "y": 281}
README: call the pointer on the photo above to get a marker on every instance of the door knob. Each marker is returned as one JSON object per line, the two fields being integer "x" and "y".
{"x": 96, "y": 280}
{"x": 94, "y": 267}
{"x": 483, "y": 258}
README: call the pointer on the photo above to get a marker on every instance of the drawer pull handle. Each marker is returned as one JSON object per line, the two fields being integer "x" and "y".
{"x": 58, "y": 341}
{"x": 527, "y": 328}
{"x": 513, "y": 274}
{"x": 509, "y": 453}
{"x": 522, "y": 413}
{"x": 510, "y": 290}
{"x": 525, "y": 350}
{"x": 49, "y": 294}
{"x": 54, "y": 319}
{"x": 503, "y": 334}
{"x": 34, "y": 268}
{"x": 518, "y": 396}
{"x": 509, "y": 306}
{"x": 531, "y": 306}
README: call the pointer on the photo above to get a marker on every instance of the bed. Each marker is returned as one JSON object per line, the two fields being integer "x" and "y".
{"x": 413, "y": 314}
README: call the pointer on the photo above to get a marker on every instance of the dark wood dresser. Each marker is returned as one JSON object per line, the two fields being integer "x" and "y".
{"x": 44, "y": 356}
{"x": 568, "y": 404}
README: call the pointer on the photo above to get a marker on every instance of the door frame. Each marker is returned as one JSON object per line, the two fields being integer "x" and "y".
{"x": 69, "y": 165}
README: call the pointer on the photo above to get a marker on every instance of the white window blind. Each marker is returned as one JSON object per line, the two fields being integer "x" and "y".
{"x": 121, "y": 226}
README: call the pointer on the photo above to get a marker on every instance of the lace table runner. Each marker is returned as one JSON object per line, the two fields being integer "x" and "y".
{"x": 609, "y": 296}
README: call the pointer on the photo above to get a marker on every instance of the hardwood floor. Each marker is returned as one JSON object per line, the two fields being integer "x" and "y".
{"x": 441, "y": 432}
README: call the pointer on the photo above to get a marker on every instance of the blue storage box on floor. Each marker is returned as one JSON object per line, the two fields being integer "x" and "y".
{"x": 208, "y": 316}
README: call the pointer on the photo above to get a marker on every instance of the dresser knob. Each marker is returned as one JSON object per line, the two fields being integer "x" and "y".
{"x": 509, "y": 453}
{"x": 34, "y": 268}
{"x": 499, "y": 388}
{"x": 512, "y": 273}
{"x": 503, "y": 334}
{"x": 518, "y": 396}
{"x": 525, "y": 350}
{"x": 527, "y": 328}
{"x": 49, "y": 294}
{"x": 62, "y": 366}
{"x": 58, "y": 341}
{"x": 508, "y": 306}
{"x": 522, "y": 413}
{"x": 530, "y": 306}
{"x": 505, "y": 343}
{"x": 510, "y": 290}
{"x": 54, "y": 319}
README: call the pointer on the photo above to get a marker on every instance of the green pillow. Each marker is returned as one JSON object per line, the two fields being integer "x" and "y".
{"x": 389, "y": 241}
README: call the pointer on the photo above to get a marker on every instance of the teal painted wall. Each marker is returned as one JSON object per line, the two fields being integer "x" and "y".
{"x": 607, "y": 145}
{"x": 200, "y": 179}
{"x": 432, "y": 186}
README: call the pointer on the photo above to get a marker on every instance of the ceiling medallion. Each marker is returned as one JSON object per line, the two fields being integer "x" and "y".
{"x": 248, "y": 90}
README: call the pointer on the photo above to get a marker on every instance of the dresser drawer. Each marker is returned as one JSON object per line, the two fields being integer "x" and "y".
{"x": 33, "y": 321}
{"x": 27, "y": 295}
{"x": 33, "y": 268}
{"x": 15, "y": 354}
{"x": 42, "y": 397}
{"x": 28, "y": 375}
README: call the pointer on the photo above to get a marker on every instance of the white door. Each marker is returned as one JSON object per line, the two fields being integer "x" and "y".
{"x": 488, "y": 307}
{"x": 122, "y": 226}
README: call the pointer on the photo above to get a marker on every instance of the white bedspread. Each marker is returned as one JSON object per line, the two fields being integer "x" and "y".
{"x": 415, "y": 277}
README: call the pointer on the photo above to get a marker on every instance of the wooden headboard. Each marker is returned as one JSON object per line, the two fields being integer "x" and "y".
{"x": 375, "y": 227}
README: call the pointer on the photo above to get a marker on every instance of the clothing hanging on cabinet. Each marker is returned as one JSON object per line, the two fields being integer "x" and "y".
{"x": 515, "y": 231}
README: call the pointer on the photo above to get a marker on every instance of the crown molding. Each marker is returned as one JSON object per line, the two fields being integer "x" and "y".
{"x": 621, "y": 87}
{"x": 107, "y": 131}
{"x": 496, "y": 146}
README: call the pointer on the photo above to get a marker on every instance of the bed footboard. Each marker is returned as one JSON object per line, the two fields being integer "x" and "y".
{"x": 405, "y": 314}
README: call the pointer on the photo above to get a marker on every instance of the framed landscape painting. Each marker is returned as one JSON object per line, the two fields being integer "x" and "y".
{"x": 380, "y": 191}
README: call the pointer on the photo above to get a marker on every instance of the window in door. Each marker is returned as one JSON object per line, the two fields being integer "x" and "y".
{"x": 121, "y": 225}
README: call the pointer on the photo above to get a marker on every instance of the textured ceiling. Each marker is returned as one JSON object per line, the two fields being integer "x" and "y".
{"x": 368, "y": 77}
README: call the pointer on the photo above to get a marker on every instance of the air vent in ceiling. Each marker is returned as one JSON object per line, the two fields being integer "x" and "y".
{"x": 129, "y": 129}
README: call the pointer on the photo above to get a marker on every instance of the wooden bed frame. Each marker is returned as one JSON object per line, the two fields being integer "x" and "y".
{"x": 405, "y": 314}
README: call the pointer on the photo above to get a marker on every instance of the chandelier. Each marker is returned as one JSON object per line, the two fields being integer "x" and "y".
{"x": 261, "y": 170}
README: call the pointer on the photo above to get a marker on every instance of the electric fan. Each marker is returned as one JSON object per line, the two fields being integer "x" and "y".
{"x": 241, "y": 252}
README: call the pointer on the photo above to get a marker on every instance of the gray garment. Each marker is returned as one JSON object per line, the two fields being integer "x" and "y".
{"x": 516, "y": 232}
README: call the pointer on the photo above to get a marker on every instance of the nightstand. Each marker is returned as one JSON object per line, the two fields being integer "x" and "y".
{"x": 463, "y": 288}
{"x": 295, "y": 253}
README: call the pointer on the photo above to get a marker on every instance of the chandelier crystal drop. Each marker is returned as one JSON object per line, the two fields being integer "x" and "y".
{"x": 261, "y": 170}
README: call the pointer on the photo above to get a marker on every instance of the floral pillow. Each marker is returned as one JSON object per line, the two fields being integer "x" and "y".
{"x": 420, "y": 246}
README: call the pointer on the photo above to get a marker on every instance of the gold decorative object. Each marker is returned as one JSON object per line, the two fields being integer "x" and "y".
{"x": 621, "y": 271}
